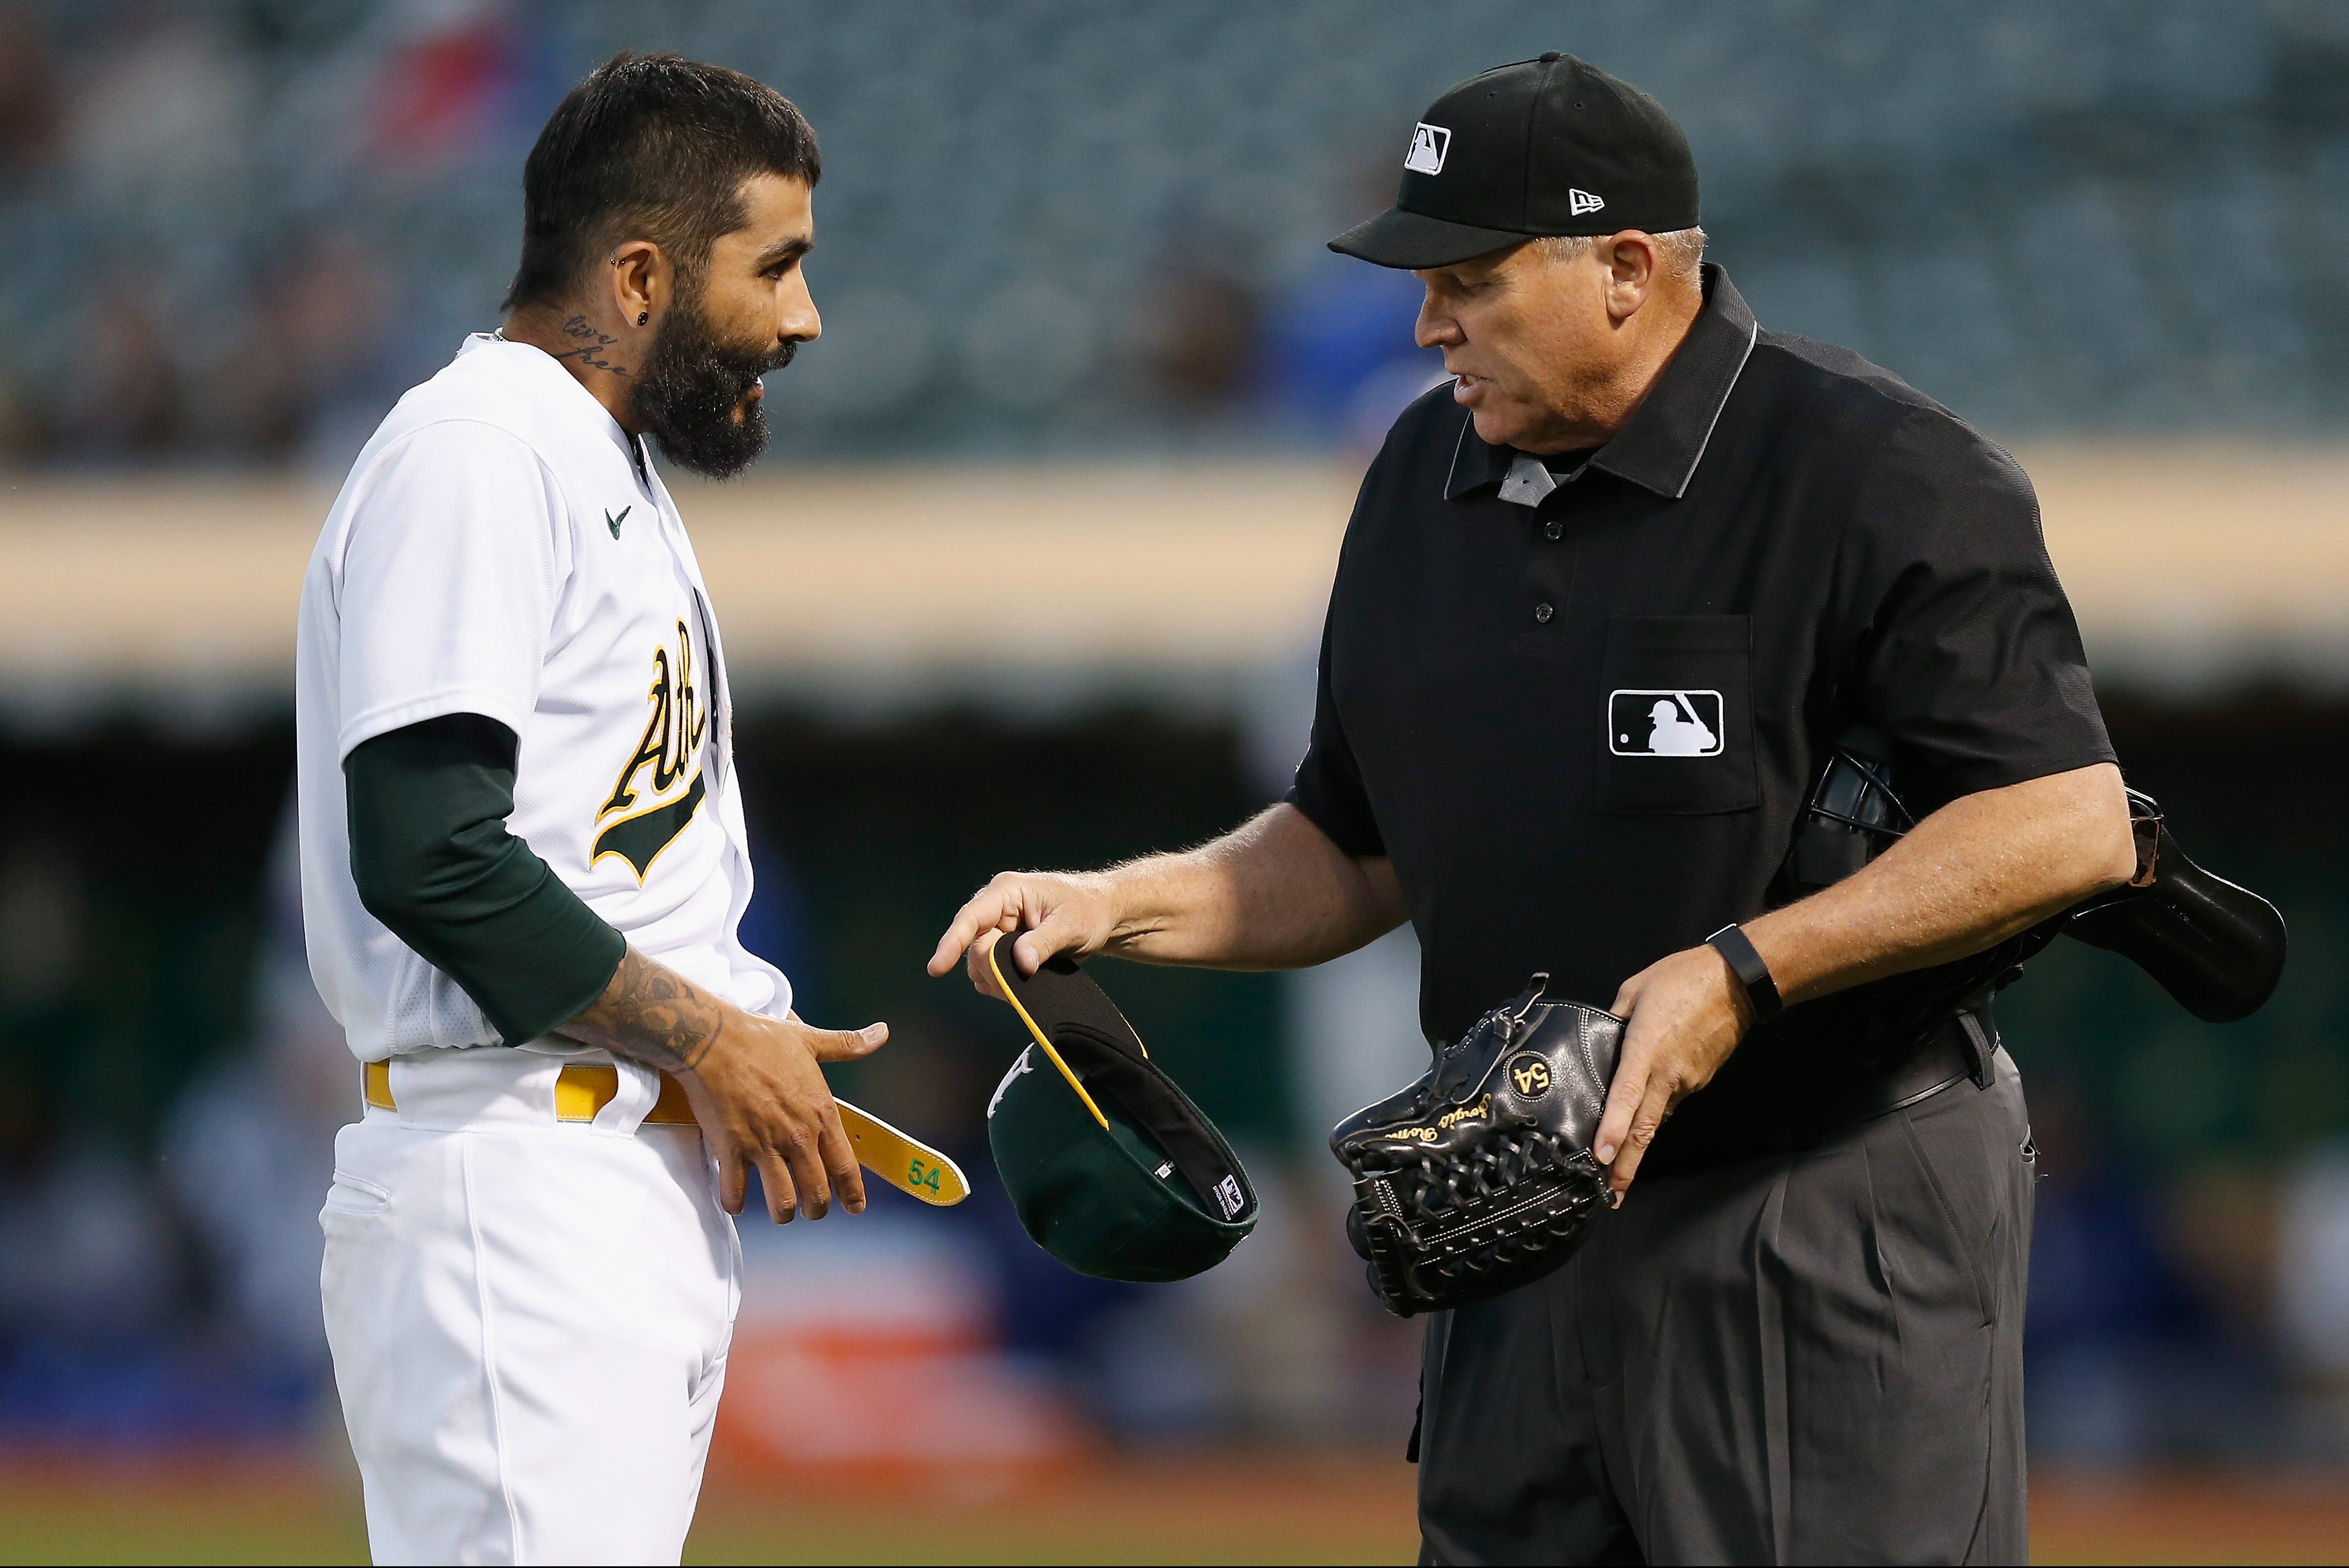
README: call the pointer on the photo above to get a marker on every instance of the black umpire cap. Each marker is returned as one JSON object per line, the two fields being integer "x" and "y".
{"x": 1548, "y": 146}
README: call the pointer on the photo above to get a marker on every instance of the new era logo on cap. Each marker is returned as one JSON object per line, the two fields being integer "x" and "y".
{"x": 1227, "y": 1194}
{"x": 1581, "y": 202}
{"x": 1429, "y": 144}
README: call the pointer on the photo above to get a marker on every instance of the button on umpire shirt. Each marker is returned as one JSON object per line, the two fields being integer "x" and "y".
{"x": 1581, "y": 703}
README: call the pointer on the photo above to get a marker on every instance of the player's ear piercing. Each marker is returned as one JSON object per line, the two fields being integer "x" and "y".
{"x": 643, "y": 316}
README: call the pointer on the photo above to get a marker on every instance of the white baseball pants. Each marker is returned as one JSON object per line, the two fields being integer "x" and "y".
{"x": 529, "y": 1317}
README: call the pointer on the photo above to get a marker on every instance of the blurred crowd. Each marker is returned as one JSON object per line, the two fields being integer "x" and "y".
{"x": 204, "y": 279}
{"x": 245, "y": 228}
{"x": 242, "y": 226}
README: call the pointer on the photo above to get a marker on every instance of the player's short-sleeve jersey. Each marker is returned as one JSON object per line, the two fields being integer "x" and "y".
{"x": 500, "y": 549}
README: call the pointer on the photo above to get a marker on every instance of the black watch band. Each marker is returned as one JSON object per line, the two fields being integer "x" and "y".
{"x": 1753, "y": 974}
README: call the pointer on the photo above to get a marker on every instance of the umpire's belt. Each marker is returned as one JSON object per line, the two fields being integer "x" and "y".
{"x": 1779, "y": 1097}
{"x": 492, "y": 1084}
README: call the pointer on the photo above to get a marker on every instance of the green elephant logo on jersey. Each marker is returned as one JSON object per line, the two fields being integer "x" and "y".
{"x": 669, "y": 750}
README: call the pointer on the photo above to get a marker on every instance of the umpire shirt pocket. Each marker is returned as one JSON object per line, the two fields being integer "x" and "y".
{"x": 1676, "y": 717}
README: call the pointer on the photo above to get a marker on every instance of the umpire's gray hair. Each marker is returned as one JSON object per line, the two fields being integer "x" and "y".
{"x": 1684, "y": 249}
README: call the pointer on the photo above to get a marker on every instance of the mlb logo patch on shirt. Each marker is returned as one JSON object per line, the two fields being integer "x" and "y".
{"x": 1664, "y": 723}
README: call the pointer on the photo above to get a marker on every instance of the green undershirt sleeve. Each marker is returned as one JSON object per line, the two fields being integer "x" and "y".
{"x": 433, "y": 861}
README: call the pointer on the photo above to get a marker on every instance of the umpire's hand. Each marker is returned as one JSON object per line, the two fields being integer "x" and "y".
{"x": 1687, "y": 1012}
{"x": 1064, "y": 912}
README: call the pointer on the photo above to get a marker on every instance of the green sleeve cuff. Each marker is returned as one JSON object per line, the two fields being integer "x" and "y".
{"x": 433, "y": 860}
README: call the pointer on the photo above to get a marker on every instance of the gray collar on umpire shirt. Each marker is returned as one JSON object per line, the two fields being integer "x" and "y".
{"x": 1660, "y": 447}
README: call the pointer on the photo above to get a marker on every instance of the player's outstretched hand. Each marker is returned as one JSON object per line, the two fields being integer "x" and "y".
{"x": 759, "y": 1092}
{"x": 1687, "y": 1012}
{"x": 1060, "y": 912}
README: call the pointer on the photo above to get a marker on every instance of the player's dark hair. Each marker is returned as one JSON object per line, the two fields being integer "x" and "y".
{"x": 651, "y": 146}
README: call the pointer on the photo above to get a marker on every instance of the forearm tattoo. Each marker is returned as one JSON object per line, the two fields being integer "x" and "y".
{"x": 650, "y": 1014}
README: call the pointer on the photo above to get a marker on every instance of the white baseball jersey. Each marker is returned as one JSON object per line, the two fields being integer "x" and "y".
{"x": 500, "y": 549}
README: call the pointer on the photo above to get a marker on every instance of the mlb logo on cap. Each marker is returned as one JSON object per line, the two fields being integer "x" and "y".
{"x": 1664, "y": 723}
{"x": 1429, "y": 143}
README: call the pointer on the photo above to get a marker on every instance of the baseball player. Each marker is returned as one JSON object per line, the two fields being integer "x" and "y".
{"x": 523, "y": 857}
{"x": 1607, "y": 600}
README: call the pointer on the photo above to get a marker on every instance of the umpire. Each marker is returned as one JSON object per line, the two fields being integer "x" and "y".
{"x": 1607, "y": 600}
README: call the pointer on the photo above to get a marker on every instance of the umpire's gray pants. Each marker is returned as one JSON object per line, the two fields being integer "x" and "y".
{"x": 1814, "y": 1357}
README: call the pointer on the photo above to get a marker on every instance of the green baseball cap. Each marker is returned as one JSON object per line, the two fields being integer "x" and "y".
{"x": 1111, "y": 1168}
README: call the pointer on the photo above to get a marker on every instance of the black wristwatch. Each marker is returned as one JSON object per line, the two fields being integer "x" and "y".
{"x": 1753, "y": 974}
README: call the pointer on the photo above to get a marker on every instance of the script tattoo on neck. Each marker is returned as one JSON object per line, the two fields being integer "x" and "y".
{"x": 591, "y": 345}
{"x": 650, "y": 1014}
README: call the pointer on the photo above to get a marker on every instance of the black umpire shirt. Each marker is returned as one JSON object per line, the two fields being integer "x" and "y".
{"x": 1582, "y": 713}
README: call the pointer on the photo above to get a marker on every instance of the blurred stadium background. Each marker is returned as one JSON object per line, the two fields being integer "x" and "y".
{"x": 1034, "y": 578}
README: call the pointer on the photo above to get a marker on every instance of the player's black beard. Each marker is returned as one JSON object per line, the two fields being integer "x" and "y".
{"x": 690, "y": 393}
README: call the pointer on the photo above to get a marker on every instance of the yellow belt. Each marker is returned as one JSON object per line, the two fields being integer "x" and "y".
{"x": 580, "y": 1089}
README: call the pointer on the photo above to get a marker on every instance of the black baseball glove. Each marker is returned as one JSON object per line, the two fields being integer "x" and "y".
{"x": 1479, "y": 1178}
